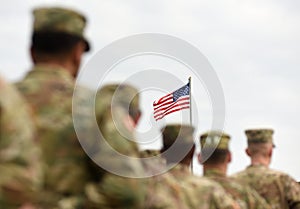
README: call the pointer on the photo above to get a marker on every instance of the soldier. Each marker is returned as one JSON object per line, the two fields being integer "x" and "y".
{"x": 215, "y": 157}
{"x": 154, "y": 165}
{"x": 57, "y": 46}
{"x": 178, "y": 149}
{"x": 19, "y": 156}
{"x": 119, "y": 113}
{"x": 279, "y": 189}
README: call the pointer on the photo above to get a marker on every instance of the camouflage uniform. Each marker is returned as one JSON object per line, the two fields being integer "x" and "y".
{"x": 152, "y": 162}
{"x": 117, "y": 129}
{"x": 279, "y": 189}
{"x": 245, "y": 196}
{"x": 196, "y": 192}
{"x": 200, "y": 192}
{"x": 19, "y": 156}
{"x": 49, "y": 90}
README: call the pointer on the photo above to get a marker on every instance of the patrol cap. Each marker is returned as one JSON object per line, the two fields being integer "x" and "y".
{"x": 259, "y": 136}
{"x": 55, "y": 19}
{"x": 215, "y": 139}
{"x": 173, "y": 132}
{"x": 119, "y": 94}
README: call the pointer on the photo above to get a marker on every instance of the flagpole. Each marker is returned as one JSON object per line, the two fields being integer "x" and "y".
{"x": 191, "y": 119}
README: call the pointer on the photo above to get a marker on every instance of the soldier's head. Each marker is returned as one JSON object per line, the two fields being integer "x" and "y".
{"x": 178, "y": 143}
{"x": 122, "y": 95}
{"x": 58, "y": 38}
{"x": 214, "y": 149}
{"x": 260, "y": 143}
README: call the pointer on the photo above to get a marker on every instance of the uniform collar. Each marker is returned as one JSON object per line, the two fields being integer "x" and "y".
{"x": 257, "y": 166}
{"x": 213, "y": 173}
{"x": 52, "y": 70}
{"x": 180, "y": 168}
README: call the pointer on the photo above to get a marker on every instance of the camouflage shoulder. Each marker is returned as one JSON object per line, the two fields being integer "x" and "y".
{"x": 211, "y": 193}
{"x": 116, "y": 192}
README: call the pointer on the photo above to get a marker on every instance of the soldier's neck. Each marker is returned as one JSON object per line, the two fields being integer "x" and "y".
{"x": 260, "y": 160}
{"x": 220, "y": 167}
{"x": 68, "y": 66}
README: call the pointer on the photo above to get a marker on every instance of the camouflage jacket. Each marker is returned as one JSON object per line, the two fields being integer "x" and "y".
{"x": 200, "y": 192}
{"x": 19, "y": 156}
{"x": 279, "y": 189}
{"x": 245, "y": 196}
{"x": 118, "y": 156}
{"x": 49, "y": 90}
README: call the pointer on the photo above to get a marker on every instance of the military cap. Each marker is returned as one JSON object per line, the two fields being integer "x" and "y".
{"x": 55, "y": 19}
{"x": 173, "y": 132}
{"x": 215, "y": 139}
{"x": 119, "y": 94}
{"x": 259, "y": 135}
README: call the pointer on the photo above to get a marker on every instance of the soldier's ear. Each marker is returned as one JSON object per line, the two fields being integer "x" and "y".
{"x": 136, "y": 119}
{"x": 270, "y": 152}
{"x": 32, "y": 55}
{"x": 229, "y": 157}
{"x": 199, "y": 158}
{"x": 78, "y": 52}
{"x": 248, "y": 152}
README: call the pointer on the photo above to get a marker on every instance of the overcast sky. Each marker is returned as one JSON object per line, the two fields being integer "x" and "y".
{"x": 253, "y": 46}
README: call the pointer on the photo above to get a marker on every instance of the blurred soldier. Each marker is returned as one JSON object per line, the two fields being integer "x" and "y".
{"x": 279, "y": 189}
{"x": 119, "y": 113}
{"x": 178, "y": 149}
{"x": 56, "y": 50}
{"x": 152, "y": 162}
{"x": 19, "y": 156}
{"x": 215, "y": 157}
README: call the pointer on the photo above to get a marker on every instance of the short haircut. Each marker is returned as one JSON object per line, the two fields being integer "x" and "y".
{"x": 214, "y": 156}
{"x": 53, "y": 42}
{"x": 259, "y": 148}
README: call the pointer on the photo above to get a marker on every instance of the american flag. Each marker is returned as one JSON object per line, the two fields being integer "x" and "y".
{"x": 173, "y": 102}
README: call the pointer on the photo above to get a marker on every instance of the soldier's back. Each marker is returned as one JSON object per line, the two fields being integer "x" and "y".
{"x": 278, "y": 189}
{"x": 119, "y": 186}
{"x": 201, "y": 192}
{"x": 243, "y": 194}
{"x": 49, "y": 91}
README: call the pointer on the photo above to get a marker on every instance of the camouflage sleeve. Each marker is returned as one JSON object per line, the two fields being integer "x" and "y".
{"x": 255, "y": 201}
{"x": 291, "y": 191}
{"x": 223, "y": 200}
{"x": 19, "y": 156}
{"x": 203, "y": 193}
{"x": 116, "y": 192}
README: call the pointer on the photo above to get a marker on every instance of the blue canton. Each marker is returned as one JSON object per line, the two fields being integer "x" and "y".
{"x": 183, "y": 91}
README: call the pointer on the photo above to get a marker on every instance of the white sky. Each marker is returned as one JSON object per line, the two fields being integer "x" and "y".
{"x": 253, "y": 46}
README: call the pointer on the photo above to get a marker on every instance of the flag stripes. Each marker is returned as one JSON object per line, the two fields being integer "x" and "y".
{"x": 176, "y": 101}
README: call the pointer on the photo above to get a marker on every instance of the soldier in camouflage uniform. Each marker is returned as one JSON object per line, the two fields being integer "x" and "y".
{"x": 118, "y": 107}
{"x": 215, "y": 157}
{"x": 56, "y": 49}
{"x": 19, "y": 156}
{"x": 152, "y": 162}
{"x": 279, "y": 189}
{"x": 178, "y": 149}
